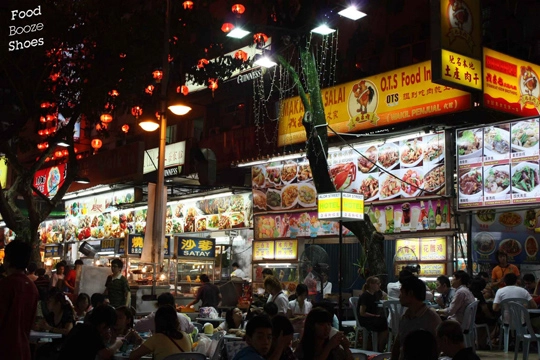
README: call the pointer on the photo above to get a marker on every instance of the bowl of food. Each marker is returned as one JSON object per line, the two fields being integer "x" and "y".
{"x": 273, "y": 174}
{"x": 434, "y": 148}
{"x": 212, "y": 222}
{"x": 524, "y": 135}
{"x": 511, "y": 247}
{"x": 369, "y": 187}
{"x": 367, "y": 159}
{"x": 200, "y": 224}
{"x": 259, "y": 199}
{"x": 484, "y": 243}
{"x": 289, "y": 196}
{"x": 531, "y": 246}
{"x": 497, "y": 180}
{"x": 525, "y": 179}
{"x": 389, "y": 186}
{"x": 273, "y": 199}
{"x": 510, "y": 219}
{"x": 411, "y": 153}
{"x": 470, "y": 183}
{"x": 289, "y": 171}
{"x": 469, "y": 144}
{"x": 435, "y": 179}
{"x": 258, "y": 176}
{"x": 497, "y": 140}
{"x": 304, "y": 172}
{"x": 412, "y": 182}
{"x": 486, "y": 216}
{"x": 307, "y": 195}
{"x": 388, "y": 156}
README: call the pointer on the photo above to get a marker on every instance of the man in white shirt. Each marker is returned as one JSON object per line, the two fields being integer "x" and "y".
{"x": 237, "y": 272}
{"x": 511, "y": 291}
{"x": 326, "y": 285}
{"x": 462, "y": 298}
{"x": 446, "y": 290}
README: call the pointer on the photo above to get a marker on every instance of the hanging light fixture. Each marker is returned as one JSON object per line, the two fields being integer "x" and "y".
{"x": 188, "y": 5}
{"x": 106, "y": 118}
{"x": 226, "y": 27}
{"x": 201, "y": 63}
{"x": 96, "y": 144}
{"x": 179, "y": 109}
{"x": 149, "y": 124}
{"x": 158, "y": 75}
{"x": 238, "y": 9}
{"x": 125, "y": 128}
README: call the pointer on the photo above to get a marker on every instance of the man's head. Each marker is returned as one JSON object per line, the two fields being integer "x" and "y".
{"x": 301, "y": 291}
{"x": 40, "y": 272}
{"x": 32, "y": 267}
{"x": 17, "y": 255}
{"x": 529, "y": 282}
{"x": 103, "y": 317}
{"x": 272, "y": 285}
{"x": 259, "y": 334}
{"x": 116, "y": 266}
{"x": 165, "y": 299}
{"x": 204, "y": 278}
{"x": 420, "y": 344}
{"x": 450, "y": 337}
{"x": 502, "y": 257}
{"x": 97, "y": 299}
{"x": 459, "y": 278}
{"x": 270, "y": 309}
{"x": 413, "y": 291}
{"x": 443, "y": 284}
{"x": 235, "y": 265}
{"x": 267, "y": 272}
{"x": 510, "y": 279}
{"x": 78, "y": 263}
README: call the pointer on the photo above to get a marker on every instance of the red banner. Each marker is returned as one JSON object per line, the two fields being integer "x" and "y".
{"x": 49, "y": 180}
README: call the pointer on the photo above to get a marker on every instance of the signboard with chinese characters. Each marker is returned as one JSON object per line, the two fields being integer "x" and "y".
{"x": 48, "y": 181}
{"x": 329, "y": 206}
{"x": 432, "y": 249}
{"x": 286, "y": 249}
{"x": 498, "y": 164}
{"x": 431, "y": 270}
{"x": 198, "y": 247}
{"x": 121, "y": 246}
{"x": 174, "y": 156}
{"x": 108, "y": 245}
{"x": 511, "y": 85}
{"x": 460, "y": 71}
{"x": 263, "y": 250}
{"x": 396, "y": 96}
{"x": 407, "y": 250}
{"x": 3, "y": 172}
{"x": 135, "y": 244}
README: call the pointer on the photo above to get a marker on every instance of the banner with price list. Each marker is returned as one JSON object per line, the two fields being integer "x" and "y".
{"x": 498, "y": 164}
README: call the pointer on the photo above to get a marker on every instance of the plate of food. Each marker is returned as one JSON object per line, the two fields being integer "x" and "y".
{"x": 224, "y": 222}
{"x": 389, "y": 186}
{"x": 369, "y": 187}
{"x": 273, "y": 174}
{"x": 486, "y": 216}
{"x": 510, "y": 219}
{"x": 212, "y": 222}
{"x": 237, "y": 219}
{"x": 307, "y": 195}
{"x": 524, "y": 135}
{"x": 412, "y": 182}
{"x": 497, "y": 180}
{"x": 512, "y": 247}
{"x": 497, "y": 140}
{"x": 258, "y": 176}
{"x": 273, "y": 199}
{"x": 484, "y": 243}
{"x": 343, "y": 175}
{"x": 531, "y": 246}
{"x": 289, "y": 196}
{"x": 470, "y": 183}
{"x": 530, "y": 219}
{"x": 434, "y": 148}
{"x": 289, "y": 171}
{"x": 304, "y": 172}
{"x": 388, "y": 156}
{"x": 367, "y": 159}
{"x": 200, "y": 224}
{"x": 411, "y": 153}
{"x": 259, "y": 199}
{"x": 525, "y": 179}
{"x": 434, "y": 179}
{"x": 469, "y": 144}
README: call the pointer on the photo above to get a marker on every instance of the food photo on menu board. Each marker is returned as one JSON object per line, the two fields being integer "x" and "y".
{"x": 510, "y": 231}
{"x": 400, "y": 169}
{"x": 499, "y": 164}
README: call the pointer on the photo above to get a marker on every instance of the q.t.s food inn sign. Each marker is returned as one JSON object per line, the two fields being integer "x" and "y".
{"x": 396, "y": 96}
{"x": 511, "y": 85}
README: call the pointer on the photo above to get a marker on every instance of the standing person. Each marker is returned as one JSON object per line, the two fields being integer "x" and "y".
{"x": 42, "y": 283}
{"x": 148, "y": 323}
{"x": 71, "y": 276}
{"x": 273, "y": 287}
{"x": 237, "y": 272}
{"x": 116, "y": 286}
{"x": 208, "y": 294}
{"x": 31, "y": 271}
{"x": 499, "y": 271}
{"x": 18, "y": 303}
{"x": 326, "y": 285}
{"x": 299, "y": 308}
{"x": 167, "y": 340}
{"x": 368, "y": 314}
{"x": 446, "y": 290}
{"x": 451, "y": 341}
{"x": 462, "y": 298}
{"x": 57, "y": 279}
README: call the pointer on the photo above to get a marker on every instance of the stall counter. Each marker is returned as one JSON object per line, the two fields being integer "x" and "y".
{"x": 143, "y": 307}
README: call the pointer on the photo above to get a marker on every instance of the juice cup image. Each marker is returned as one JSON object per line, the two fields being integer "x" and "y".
{"x": 398, "y": 216}
{"x": 389, "y": 213}
{"x": 415, "y": 213}
{"x": 406, "y": 208}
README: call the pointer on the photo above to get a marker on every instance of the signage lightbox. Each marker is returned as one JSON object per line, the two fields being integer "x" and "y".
{"x": 175, "y": 155}
{"x": 341, "y": 206}
{"x": 197, "y": 247}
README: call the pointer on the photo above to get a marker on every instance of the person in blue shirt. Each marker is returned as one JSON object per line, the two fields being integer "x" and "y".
{"x": 258, "y": 338}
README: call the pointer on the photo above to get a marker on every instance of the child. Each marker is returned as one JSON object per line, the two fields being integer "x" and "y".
{"x": 258, "y": 338}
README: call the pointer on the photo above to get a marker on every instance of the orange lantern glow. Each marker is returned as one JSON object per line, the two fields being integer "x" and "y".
{"x": 125, "y": 128}
{"x": 114, "y": 93}
{"x": 65, "y": 152}
{"x": 201, "y": 63}
{"x": 213, "y": 84}
{"x": 158, "y": 75}
{"x": 44, "y": 105}
{"x": 149, "y": 89}
{"x": 260, "y": 38}
{"x": 188, "y": 5}
{"x": 41, "y": 132}
{"x": 136, "y": 111}
{"x": 58, "y": 153}
{"x": 54, "y": 77}
{"x": 183, "y": 89}
{"x": 42, "y": 119}
{"x": 47, "y": 159}
{"x": 227, "y": 27}
{"x": 100, "y": 126}
{"x": 241, "y": 55}
{"x": 238, "y": 9}
{"x": 106, "y": 118}
{"x": 79, "y": 157}
{"x": 50, "y": 117}
{"x": 96, "y": 143}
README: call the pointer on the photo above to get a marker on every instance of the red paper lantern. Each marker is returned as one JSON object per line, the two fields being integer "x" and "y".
{"x": 136, "y": 111}
{"x": 260, "y": 38}
{"x": 113, "y": 93}
{"x": 238, "y": 9}
{"x": 158, "y": 75}
{"x": 106, "y": 118}
{"x": 241, "y": 55}
{"x": 201, "y": 63}
{"x": 149, "y": 89}
{"x": 44, "y": 105}
{"x": 50, "y": 117}
{"x": 184, "y": 90}
{"x": 227, "y": 27}
{"x": 96, "y": 143}
{"x": 188, "y": 5}
{"x": 213, "y": 84}
{"x": 125, "y": 128}
{"x": 42, "y": 119}
{"x": 58, "y": 153}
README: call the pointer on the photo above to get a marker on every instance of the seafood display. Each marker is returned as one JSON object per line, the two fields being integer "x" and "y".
{"x": 367, "y": 159}
{"x": 525, "y": 133}
{"x": 369, "y": 187}
{"x": 388, "y": 156}
{"x": 434, "y": 179}
{"x": 497, "y": 179}
{"x": 342, "y": 175}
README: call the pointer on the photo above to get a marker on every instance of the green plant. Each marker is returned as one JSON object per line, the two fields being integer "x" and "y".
{"x": 361, "y": 263}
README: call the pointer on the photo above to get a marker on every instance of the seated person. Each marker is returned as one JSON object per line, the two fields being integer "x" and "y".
{"x": 511, "y": 290}
{"x": 326, "y": 286}
{"x": 86, "y": 341}
{"x": 299, "y": 308}
{"x": 60, "y": 319}
{"x": 462, "y": 298}
{"x": 529, "y": 283}
{"x": 82, "y": 306}
{"x": 447, "y": 292}
{"x": 234, "y": 323}
{"x": 95, "y": 300}
{"x": 451, "y": 341}
{"x": 165, "y": 299}
{"x": 282, "y": 336}
{"x": 420, "y": 344}
{"x": 167, "y": 340}
{"x": 258, "y": 339}
{"x": 368, "y": 314}
{"x": 124, "y": 326}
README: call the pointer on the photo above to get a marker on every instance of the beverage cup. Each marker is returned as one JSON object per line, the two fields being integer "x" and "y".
{"x": 406, "y": 208}
{"x": 389, "y": 212}
{"x": 398, "y": 215}
{"x": 415, "y": 213}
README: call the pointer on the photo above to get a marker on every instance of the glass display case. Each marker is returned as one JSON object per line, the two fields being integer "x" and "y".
{"x": 286, "y": 273}
{"x": 188, "y": 272}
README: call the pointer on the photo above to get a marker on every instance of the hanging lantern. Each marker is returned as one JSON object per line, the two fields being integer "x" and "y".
{"x": 99, "y": 126}
{"x": 113, "y": 93}
{"x": 184, "y": 90}
{"x": 188, "y": 5}
{"x": 79, "y": 157}
{"x": 50, "y": 117}
{"x": 96, "y": 143}
{"x": 213, "y": 84}
{"x": 136, "y": 111}
{"x": 238, "y": 9}
{"x": 58, "y": 153}
{"x": 41, "y": 132}
{"x": 42, "y": 119}
{"x": 125, "y": 128}
{"x": 158, "y": 75}
{"x": 123, "y": 55}
{"x": 65, "y": 152}
{"x": 201, "y": 63}
{"x": 227, "y": 27}
{"x": 44, "y": 105}
{"x": 43, "y": 145}
{"x": 260, "y": 39}
{"x": 106, "y": 118}
{"x": 54, "y": 76}
{"x": 149, "y": 89}
{"x": 241, "y": 55}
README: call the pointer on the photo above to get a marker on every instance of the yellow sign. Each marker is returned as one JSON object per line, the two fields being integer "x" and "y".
{"x": 263, "y": 250}
{"x": 407, "y": 250}
{"x": 329, "y": 206}
{"x": 431, "y": 270}
{"x": 461, "y": 70}
{"x": 353, "y": 206}
{"x": 432, "y": 249}
{"x": 396, "y": 96}
{"x": 511, "y": 85}
{"x": 3, "y": 172}
{"x": 286, "y": 249}
{"x": 461, "y": 26}
{"x": 340, "y": 206}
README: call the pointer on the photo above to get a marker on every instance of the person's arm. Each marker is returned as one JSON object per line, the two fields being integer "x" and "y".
{"x": 108, "y": 352}
{"x": 139, "y": 352}
{"x": 496, "y": 307}
{"x": 197, "y": 298}
{"x": 396, "y": 349}
{"x": 363, "y": 312}
{"x": 532, "y": 304}
{"x": 145, "y": 324}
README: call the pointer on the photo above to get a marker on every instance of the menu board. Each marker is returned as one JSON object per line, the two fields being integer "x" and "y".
{"x": 425, "y": 269}
{"x": 423, "y": 249}
{"x": 263, "y": 250}
{"x": 498, "y": 164}
{"x": 511, "y": 231}
{"x": 286, "y": 249}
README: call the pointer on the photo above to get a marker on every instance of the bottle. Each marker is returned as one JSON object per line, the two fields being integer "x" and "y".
{"x": 423, "y": 217}
{"x": 438, "y": 215}
{"x": 431, "y": 217}
{"x": 445, "y": 215}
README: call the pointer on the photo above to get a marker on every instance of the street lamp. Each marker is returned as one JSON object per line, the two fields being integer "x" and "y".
{"x": 159, "y": 200}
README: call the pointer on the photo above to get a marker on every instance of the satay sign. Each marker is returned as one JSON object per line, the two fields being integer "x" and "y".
{"x": 20, "y": 29}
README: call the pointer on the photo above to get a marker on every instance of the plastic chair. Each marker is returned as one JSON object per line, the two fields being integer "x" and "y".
{"x": 199, "y": 326}
{"x": 504, "y": 335}
{"x": 524, "y": 334}
{"x": 353, "y": 300}
{"x": 393, "y": 311}
{"x": 186, "y": 355}
{"x": 488, "y": 341}
{"x": 233, "y": 347}
{"x": 219, "y": 336}
{"x": 468, "y": 326}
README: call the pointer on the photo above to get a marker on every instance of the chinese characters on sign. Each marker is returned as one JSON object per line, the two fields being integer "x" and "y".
{"x": 200, "y": 247}
{"x": 135, "y": 244}
{"x": 263, "y": 250}
{"x": 286, "y": 249}
{"x": 461, "y": 70}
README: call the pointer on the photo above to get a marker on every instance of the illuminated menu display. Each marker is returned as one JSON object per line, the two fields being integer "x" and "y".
{"x": 263, "y": 250}
{"x": 498, "y": 164}
{"x": 424, "y": 249}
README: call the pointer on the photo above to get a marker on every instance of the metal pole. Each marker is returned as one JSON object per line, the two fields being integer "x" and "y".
{"x": 340, "y": 273}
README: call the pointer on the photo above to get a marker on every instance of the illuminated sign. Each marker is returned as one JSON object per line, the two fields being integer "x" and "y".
{"x": 407, "y": 250}
{"x": 199, "y": 247}
{"x": 48, "y": 181}
{"x": 3, "y": 172}
{"x": 175, "y": 155}
{"x": 460, "y": 71}
{"x": 433, "y": 249}
{"x": 460, "y": 26}
{"x": 340, "y": 206}
{"x": 286, "y": 249}
{"x": 108, "y": 245}
{"x": 389, "y": 98}
{"x": 263, "y": 250}
{"x": 22, "y": 34}
{"x": 52, "y": 251}
{"x": 135, "y": 244}
{"x": 511, "y": 85}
